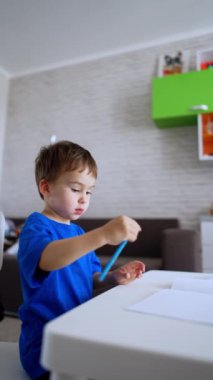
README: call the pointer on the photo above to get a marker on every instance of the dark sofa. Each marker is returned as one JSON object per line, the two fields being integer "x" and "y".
{"x": 162, "y": 244}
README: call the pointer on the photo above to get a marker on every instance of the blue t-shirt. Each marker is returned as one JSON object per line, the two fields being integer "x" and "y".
{"x": 47, "y": 295}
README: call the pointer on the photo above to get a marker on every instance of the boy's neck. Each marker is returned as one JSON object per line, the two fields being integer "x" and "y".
{"x": 53, "y": 216}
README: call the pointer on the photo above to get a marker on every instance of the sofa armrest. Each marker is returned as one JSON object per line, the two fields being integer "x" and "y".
{"x": 181, "y": 250}
{"x": 10, "y": 286}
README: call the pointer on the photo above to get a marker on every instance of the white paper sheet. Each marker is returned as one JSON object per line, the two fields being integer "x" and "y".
{"x": 203, "y": 285}
{"x": 184, "y": 304}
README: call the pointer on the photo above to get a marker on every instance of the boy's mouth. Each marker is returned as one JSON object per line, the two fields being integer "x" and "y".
{"x": 79, "y": 211}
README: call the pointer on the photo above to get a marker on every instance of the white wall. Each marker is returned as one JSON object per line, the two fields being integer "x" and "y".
{"x": 4, "y": 85}
{"x": 105, "y": 105}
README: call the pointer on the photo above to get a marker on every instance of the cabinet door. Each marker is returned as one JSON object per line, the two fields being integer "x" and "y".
{"x": 175, "y": 96}
{"x": 205, "y": 138}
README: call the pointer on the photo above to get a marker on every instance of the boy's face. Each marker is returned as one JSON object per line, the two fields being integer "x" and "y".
{"x": 68, "y": 197}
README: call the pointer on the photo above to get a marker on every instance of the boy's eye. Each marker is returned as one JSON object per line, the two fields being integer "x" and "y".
{"x": 78, "y": 191}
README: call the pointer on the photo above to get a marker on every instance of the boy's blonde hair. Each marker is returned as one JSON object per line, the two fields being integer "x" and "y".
{"x": 55, "y": 159}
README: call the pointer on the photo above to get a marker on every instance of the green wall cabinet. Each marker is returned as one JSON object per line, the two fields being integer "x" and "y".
{"x": 178, "y": 99}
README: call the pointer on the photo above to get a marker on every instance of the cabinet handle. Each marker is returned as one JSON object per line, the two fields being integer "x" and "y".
{"x": 202, "y": 107}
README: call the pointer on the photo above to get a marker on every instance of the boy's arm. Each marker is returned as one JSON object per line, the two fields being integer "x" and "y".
{"x": 120, "y": 276}
{"x": 61, "y": 253}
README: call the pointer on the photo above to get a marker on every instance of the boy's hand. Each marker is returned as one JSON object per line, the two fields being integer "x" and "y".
{"x": 128, "y": 272}
{"x": 119, "y": 229}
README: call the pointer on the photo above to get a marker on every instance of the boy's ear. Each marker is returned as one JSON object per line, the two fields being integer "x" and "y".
{"x": 44, "y": 187}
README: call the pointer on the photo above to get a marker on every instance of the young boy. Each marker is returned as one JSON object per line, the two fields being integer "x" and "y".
{"x": 58, "y": 265}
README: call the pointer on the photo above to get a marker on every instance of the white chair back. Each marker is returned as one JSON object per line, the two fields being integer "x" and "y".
{"x": 2, "y": 234}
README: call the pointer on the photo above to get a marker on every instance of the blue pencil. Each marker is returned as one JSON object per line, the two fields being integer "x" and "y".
{"x": 112, "y": 260}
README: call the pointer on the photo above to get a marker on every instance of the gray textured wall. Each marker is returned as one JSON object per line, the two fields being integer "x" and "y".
{"x": 105, "y": 105}
{"x": 4, "y": 86}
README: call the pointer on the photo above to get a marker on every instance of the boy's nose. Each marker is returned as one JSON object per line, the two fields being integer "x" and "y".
{"x": 82, "y": 198}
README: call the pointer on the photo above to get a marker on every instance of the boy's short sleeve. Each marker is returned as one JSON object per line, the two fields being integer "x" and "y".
{"x": 33, "y": 240}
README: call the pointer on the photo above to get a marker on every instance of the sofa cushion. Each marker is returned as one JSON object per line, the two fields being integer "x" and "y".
{"x": 148, "y": 243}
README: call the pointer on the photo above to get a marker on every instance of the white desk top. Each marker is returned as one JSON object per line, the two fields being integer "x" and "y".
{"x": 102, "y": 340}
{"x": 206, "y": 218}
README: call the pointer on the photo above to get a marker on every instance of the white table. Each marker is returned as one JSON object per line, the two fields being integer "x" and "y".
{"x": 101, "y": 340}
{"x": 206, "y": 224}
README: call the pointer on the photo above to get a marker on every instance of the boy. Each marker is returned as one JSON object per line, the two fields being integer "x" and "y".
{"x": 58, "y": 265}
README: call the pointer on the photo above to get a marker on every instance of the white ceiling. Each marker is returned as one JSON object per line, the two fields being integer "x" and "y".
{"x": 40, "y": 34}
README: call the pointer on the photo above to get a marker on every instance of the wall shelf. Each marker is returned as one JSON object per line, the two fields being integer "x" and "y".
{"x": 186, "y": 99}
